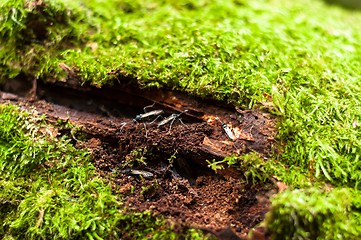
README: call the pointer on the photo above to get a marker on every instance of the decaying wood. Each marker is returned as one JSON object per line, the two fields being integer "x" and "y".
{"x": 200, "y": 138}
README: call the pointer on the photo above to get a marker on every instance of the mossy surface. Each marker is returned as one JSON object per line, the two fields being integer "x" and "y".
{"x": 301, "y": 60}
{"x": 314, "y": 214}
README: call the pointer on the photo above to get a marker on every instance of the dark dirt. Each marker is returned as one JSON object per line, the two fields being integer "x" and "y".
{"x": 182, "y": 187}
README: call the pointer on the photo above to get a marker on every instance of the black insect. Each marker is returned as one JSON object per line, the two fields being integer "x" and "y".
{"x": 141, "y": 117}
{"x": 171, "y": 119}
{"x": 145, "y": 174}
{"x": 145, "y": 115}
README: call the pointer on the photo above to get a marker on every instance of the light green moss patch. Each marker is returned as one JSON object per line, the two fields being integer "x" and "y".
{"x": 315, "y": 214}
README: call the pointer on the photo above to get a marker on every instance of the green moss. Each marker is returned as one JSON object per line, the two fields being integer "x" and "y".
{"x": 230, "y": 49}
{"x": 315, "y": 214}
{"x": 33, "y": 32}
{"x": 321, "y": 130}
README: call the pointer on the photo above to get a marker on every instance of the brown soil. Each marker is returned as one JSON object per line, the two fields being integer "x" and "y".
{"x": 176, "y": 181}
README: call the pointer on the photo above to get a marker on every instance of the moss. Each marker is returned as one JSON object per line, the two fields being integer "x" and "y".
{"x": 315, "y": 214}
{"x": 231, "y": 50}
{"x": 34, "y": 31}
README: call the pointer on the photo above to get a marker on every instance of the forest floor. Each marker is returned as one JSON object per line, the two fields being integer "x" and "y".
{"x": 166, "y": 169}
{"x": 180, "y": 119}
